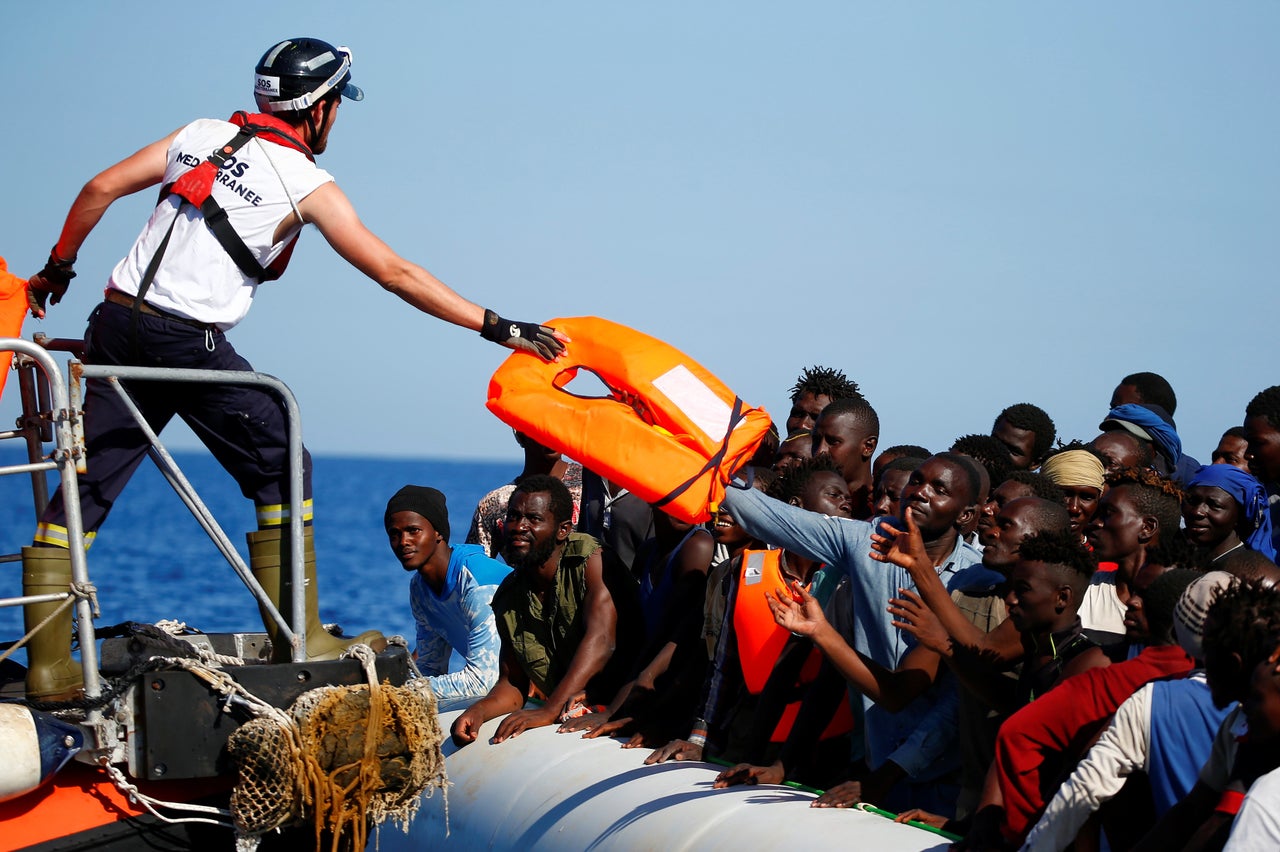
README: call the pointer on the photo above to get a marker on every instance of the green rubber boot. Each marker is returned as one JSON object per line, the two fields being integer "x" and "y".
{"x": 52, "y": 674}
{"x": 268, "y": 552}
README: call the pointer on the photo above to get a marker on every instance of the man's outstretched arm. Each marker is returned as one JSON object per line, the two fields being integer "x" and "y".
{"x": 329, "y": 209}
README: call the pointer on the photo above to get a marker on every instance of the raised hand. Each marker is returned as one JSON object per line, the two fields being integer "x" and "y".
{"x": 796, "y": 610}
{"x": 911, "y": 614}
{"x": 904, "y": 548}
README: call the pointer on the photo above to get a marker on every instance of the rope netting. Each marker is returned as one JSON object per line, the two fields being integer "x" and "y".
{"x": 342, "y": 757}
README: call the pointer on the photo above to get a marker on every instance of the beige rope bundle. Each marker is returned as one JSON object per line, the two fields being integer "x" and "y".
{"x": 346, "y": 757}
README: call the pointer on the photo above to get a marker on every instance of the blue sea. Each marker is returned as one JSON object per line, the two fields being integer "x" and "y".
{"x": 152, "y": 561}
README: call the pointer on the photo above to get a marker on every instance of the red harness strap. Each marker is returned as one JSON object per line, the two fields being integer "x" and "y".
{"x": 1230, "y": 802}
{"x": 196, "y": 188}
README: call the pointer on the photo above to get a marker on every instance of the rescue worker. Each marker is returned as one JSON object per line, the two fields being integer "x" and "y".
{"x": 235, "y": 197}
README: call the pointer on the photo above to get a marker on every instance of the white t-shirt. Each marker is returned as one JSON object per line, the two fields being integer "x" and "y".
{"x": 258, "y": 187}
{"x": 1101, "y": 608}
{"x": 1257, "y": 825}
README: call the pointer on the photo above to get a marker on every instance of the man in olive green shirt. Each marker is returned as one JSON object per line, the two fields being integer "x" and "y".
{"x": 556, "y": 617}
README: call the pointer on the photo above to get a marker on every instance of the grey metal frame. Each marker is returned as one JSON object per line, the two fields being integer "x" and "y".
{"x": 52, "y": 395}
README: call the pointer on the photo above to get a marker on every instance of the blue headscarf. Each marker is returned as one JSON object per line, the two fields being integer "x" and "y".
{"x": 1160, "y": 428}
{"x": 1252, "y": 497}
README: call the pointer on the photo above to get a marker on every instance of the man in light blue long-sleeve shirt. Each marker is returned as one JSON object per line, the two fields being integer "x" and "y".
{"x": 914, "y": 749}
{"x": 449, "y": 593}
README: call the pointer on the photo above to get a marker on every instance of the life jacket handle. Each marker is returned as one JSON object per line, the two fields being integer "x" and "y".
{"x": 633, "y": 401}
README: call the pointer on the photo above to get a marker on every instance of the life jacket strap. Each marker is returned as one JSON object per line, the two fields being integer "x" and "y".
{"x": 717, "y": 458}
{"x": 195, "y": 187}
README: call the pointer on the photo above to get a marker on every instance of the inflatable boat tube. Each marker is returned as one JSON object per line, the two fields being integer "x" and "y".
{"x": 35, "y": 745}
{"x": 668, "y": 431}
{"x": 548, "y": 791}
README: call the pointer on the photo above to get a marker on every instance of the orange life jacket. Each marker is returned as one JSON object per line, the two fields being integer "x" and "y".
{"x": 13, "y": 310}
{"x": 668, "y": 431}
{"x": 761, "y": 640}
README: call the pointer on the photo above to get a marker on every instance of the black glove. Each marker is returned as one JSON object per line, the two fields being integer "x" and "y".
{"x": 49, "y": 283}
{"x": 529, "y": 336}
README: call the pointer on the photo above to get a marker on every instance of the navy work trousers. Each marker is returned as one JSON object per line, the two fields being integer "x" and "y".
{"x": 244, "y": 427}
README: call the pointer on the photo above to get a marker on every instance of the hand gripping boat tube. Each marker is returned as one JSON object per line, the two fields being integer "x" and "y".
{"x": 669, "y": 431}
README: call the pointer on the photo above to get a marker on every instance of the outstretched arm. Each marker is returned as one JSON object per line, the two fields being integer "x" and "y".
{"x": 329, "y": 209}
{"x": 801, "y": 613}
{"x": 813, "y": 536}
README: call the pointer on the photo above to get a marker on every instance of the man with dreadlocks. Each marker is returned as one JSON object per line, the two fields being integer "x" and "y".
{"x": 1140, "y": 511}
{"x": 1262, "y": 431}
{"x": 1027, "y": 432}
{"x": 813, "y": 391}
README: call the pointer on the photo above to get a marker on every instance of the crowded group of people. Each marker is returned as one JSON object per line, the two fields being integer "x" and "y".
{"x": 1028, "y": 641}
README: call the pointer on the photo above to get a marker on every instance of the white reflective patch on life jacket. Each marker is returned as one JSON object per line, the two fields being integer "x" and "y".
{"x": 754, "y": 571}
{"x": 696, "y": 401}
{"x": 267, "y": 85}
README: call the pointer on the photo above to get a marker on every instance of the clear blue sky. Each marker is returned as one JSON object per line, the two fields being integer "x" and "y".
{"x": 963, "y": 206}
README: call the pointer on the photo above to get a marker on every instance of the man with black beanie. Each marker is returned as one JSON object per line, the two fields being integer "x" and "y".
{"x": 449, "y": 593}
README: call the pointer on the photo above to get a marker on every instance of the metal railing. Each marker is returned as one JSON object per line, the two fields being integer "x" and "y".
{"x": 51, "y": 412}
